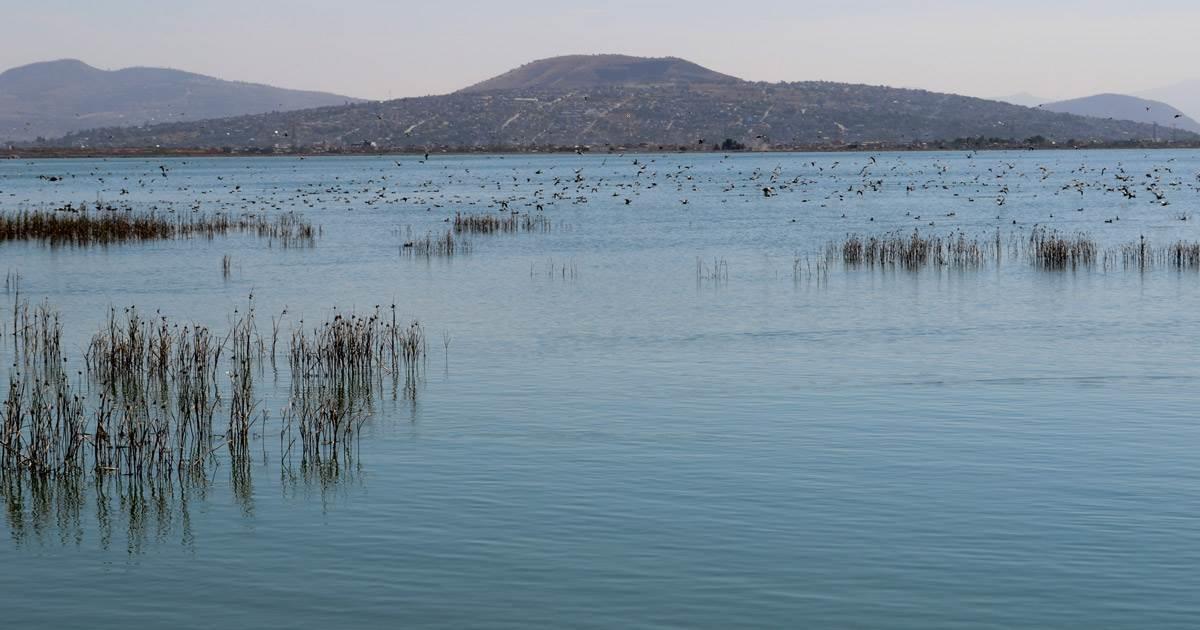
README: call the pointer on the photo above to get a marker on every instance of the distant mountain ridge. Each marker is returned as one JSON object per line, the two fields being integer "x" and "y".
{"x": 614, "y": 100}
{"x": 1025, "y": 99}
{"x": 53, "y": 98}
{"x": 1123, "y": 107}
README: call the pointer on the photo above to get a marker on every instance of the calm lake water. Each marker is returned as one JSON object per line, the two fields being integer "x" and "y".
{"x": 632, "y": 443}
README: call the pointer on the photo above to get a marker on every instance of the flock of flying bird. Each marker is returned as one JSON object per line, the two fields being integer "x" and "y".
{"x": 830, "y": 186}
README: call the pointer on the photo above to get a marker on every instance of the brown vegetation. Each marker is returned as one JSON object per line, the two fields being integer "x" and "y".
{"x": 79, "y": 226}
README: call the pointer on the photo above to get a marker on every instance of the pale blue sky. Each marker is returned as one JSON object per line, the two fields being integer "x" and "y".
{"x": 381, "y": 49}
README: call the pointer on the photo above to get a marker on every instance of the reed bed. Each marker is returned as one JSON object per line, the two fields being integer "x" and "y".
{"x": 43, "y": 421}
{"x": 81, "y": 226}
{"x": 1043, "y": 248}
{"x": 1183, "y": 255}
{"x": 499, "y": 223}
{"x": 1142, "y": 256}
{"x": 716, "y": 272}
{"x": 443, "y": 246}
{"x": 337, "y": 369}
{"x": 1051, "y": 250}
{"x": 150, "y": 397}
{"x": 912, "y": 251}
{"x": 247, "y": 352}
{"x": 158, "y": 393}
{"x": 352, "y": 345}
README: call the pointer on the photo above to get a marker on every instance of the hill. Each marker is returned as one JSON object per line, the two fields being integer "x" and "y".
{"x": 1122, "y": 107}
{"x": 57, "y": 97}
{"x": 1185, "y": 95}
{"x": 602, "y": 108}
{"x": 572, "y": 72}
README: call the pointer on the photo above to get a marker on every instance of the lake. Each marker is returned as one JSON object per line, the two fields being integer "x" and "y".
{"x": 674, "y": 406}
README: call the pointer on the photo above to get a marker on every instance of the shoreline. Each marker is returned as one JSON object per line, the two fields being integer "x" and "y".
{"x": 26, "y": 153}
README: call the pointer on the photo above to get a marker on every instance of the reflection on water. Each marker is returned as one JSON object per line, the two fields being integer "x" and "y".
{"x": 72, "y": 509}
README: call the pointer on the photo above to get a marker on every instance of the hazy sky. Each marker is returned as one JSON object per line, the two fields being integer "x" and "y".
{"x": 381, "y": 49}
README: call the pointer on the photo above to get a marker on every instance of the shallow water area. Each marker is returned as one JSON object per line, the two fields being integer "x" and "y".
{"x": 653, "y": 412}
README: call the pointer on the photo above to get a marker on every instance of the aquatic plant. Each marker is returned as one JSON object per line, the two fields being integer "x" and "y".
{"x": 146, "y": 402}
{"x": 1043, "y": 248}
{"x": 805, "y": 269}
{"x": 79, "y": 226}
{"x": 442, "y": 246}
{"x": 910, "y": 251}
{"x": 1053, "y": 251}
{"x": 565, "y": 270}
{"x": 1142, "y": 256}
{"x": 1184, "y": 255}
{"x": 717, "y": 272}
{"x": 337, "y": 367}
{"x": 494, "y": 223}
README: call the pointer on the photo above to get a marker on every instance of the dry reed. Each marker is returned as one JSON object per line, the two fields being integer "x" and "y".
{"x": 442, "y": 246}
{"x": 147, "y": 400}
{"x": 911, "y": 251}
{"x": 80, "y": 226}
{"x": 493, "y": 223}
{"x": 1053, "y": 251}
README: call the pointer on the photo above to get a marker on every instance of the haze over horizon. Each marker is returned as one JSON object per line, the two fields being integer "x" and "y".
{"x": 381, "y": 50}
